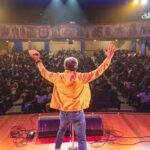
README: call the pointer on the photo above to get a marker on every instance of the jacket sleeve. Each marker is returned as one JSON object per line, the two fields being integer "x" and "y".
{"x": 90, "y": 76}
{"x": 50, "y": 76}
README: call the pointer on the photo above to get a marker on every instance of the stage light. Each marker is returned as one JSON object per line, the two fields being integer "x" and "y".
{"x": 136, "y": 2}
{"x": 144, "y": 2}
{"x": 72, "y": 22}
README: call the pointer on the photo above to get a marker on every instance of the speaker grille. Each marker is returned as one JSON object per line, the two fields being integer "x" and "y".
{"x": 48, "y": 125}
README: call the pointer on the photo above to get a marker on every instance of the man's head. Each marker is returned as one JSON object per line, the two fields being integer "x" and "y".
{"x": 71, "y": 63}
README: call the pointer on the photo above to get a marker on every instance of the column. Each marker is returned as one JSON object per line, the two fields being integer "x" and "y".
{"x": 18, "y": 46}
{"x": 133, "y": 46}
{"x": 143, "y": 47}
{"x": 82, "y": 46}
{"x": 46, "y": 46}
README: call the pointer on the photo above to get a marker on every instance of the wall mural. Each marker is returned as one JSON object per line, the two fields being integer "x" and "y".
{"x": 63, "y": 31}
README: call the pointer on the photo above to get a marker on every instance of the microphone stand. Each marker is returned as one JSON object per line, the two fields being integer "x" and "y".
{"x": 72, "y": 139}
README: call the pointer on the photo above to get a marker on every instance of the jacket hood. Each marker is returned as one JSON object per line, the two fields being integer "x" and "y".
{"x": 70, "y": 77}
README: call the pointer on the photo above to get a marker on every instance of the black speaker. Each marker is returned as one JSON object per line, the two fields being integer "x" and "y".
{"x": 48, "y": 125}
{"x": 94, "y": 125}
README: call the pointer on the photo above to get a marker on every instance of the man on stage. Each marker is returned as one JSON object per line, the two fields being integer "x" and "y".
{"x": 71, "y": 94}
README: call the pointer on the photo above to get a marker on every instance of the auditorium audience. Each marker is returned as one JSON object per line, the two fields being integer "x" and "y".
{"x": 130, "y": 73}
{"x": 19, "y": 78}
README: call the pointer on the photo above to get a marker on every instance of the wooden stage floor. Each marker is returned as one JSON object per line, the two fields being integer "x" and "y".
{"x": 128, "y": 124}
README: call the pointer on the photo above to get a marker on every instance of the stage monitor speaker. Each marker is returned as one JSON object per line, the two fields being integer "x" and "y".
{"x": 48, "y": 125}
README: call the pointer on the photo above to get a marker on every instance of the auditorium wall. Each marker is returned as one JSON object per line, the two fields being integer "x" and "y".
{"x": 55, "y": 46}
{"x": 148, "y": 51}
{"x": 3, "y": 47}
{"x": 90, "y": 45}
{"x": 10, "y": 45}
{"x": 26, "y": 45}
{"x": 37, "y": 45}
{"x": 138, "y": 49}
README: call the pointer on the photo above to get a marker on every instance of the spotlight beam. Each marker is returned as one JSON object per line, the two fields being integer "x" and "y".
{"x": 144, "y": 2}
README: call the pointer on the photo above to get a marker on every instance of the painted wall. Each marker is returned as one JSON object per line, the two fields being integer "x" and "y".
{"x": 96, "y": 45}
{"x": 37, "y": 45}
{"x": 3, "y": 47}
{"x": 59, "y": 45}
{"x": 148, "y": 51}
{"x": 138, "y": 48}
{"x": 28, "y": 45}
{"x": 90, "y": 46}
{"x": 10, "y": 45}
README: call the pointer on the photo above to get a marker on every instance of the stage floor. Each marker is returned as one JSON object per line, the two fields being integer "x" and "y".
{"x": 127, "y": 124}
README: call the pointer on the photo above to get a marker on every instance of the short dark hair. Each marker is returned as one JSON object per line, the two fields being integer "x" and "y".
{"x": 71, "y": 63}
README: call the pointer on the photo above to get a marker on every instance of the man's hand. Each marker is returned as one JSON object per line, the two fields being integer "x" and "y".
{"x": 110, "y": 51}
{"x": 34, "y": 54}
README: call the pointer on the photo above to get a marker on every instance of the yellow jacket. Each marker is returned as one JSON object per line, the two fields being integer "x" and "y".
{"x": 71, "y": 90}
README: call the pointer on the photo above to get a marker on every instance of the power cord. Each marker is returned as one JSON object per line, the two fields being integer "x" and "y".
{"x": 21, "y": 135}
{"x": 111, "y": 136}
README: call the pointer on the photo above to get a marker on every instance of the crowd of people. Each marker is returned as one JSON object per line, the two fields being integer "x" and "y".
{"x": 19, "y": 78}
{"x": 130, "y": 73}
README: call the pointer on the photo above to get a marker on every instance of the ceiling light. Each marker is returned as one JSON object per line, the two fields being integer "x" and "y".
{"x": 144, "y": 2}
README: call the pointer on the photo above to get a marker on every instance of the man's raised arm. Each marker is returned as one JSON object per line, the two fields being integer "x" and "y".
{"x": 50, "y": 76}
{"x": 90, "y": 76}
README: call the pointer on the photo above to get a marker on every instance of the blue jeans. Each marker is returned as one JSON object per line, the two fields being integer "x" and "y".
{"x": 78, "y": 121}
